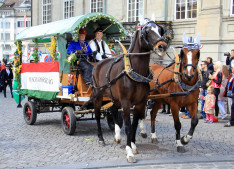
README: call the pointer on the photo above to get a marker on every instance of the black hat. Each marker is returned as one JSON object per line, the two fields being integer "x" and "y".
{"x": 98, "y": 30}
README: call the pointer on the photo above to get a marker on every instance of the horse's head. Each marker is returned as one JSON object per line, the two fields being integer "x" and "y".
{"x": 152, "y": 34}
{"x": 189, "y": 56}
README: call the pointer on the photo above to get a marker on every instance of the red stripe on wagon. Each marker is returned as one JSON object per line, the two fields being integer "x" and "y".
{"x": 40, "y": 67}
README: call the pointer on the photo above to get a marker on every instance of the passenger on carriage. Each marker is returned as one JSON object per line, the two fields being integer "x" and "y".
{"x": 99, "y": 46}
{"x": 84, "y": 54}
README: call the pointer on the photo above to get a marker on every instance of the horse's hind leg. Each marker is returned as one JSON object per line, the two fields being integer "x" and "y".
{"x": 194, "y": 121}
{"x": 177, "y": 124}
{"x": 115, "y": 114}
{"x": 153, "y": 114}
{"x": 97, "y": 107}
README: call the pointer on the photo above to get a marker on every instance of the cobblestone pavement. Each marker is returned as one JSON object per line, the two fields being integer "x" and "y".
{"x": 44, "y": 145}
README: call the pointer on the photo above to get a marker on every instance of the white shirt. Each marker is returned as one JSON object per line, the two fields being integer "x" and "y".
{"x": 94, "y": 48}
{"x": 8, "y": 71}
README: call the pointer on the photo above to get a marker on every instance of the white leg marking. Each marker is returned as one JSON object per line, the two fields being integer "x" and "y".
{"x": 189, "y": 57}
{"x": 129, "y": 152}
{"x": 133, "y": 146}
{"x": 153, "y": 135}
{"x": 187, "y": 138}
{"x": 178, "y": 143}
{"x": 142, "y": 126}
{"x": 117, "y": 132}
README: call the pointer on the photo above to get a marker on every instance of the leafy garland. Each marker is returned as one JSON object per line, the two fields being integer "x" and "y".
{"x": 17, "y": 61}
{"x": 35, "y": 51}
{"x": 94, "y": 18}
{"x": 52, "y": 48}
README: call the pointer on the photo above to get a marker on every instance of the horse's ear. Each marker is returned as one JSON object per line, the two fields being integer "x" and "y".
{"x": 185, "y": 38}
{"x": 153, "y": 17}
{"x": 197, "y": 39}
{"x": 141, "y": 20}
{"x": 181, "y": 54}
{"x": 198, "y": 54}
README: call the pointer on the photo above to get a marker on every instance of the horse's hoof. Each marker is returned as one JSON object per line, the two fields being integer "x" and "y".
{"x": 131, "y": 159}
{"x": 102, "y": 143}
{"x": 154, "y": 140}
{"x": 182, "y": 141}
{"x": 180, "y": 149}
{"x": 117, "y": 141}
{"x": 134, "y": 151}
{"x": 143, "y": 135}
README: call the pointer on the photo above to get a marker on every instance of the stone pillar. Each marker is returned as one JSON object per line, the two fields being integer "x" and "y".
{"x": 209, "y": 21}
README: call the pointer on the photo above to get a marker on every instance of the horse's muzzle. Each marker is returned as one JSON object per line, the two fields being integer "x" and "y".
{"x": 160, "y": 47}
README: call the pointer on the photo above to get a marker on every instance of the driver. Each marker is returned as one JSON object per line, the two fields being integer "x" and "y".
{"x": 99, "y": 46}
{"x": 84, "y": 51}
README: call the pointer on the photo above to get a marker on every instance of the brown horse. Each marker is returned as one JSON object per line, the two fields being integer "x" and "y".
{"x": 124, "y": 90}
{"x": 188, "y": 80}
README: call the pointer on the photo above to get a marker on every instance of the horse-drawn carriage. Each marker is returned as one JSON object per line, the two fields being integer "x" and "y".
{"x": 119, "y": 83}
{"x": 53, "y": 84}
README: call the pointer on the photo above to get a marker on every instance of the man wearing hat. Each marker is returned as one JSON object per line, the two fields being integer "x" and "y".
{"x": 84, "y": 52}
{"x": 7, "y": 78}
{"x": 99, "y": 46}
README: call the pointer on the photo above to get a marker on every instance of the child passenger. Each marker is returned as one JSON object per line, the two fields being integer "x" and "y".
{"x": 209, "y": 107}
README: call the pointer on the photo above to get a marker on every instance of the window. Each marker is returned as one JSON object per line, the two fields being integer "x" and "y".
{"x": 68, "y": 8}
{"x": 186, "y": 9}
{"x": 6, "y": 37}
{"x": 135, "y": 9}
{"x": 46, "y": 11}
{"x": 96, "y": 5}
{"x": 232, "y": 7}
{"x": 7, "y": 47}
{"x": 20, "y": 24}
{"x": 7, "y": 25}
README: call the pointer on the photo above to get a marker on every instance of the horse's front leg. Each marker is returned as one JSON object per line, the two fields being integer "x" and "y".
{"x": 128, "y": 130}
{"x": 153, "y": 114}
{"x": 194, "y": 121}
{"x": 177, "y": 124}
{"x": 97, "y": 107}
{"x": 139, "y": 113}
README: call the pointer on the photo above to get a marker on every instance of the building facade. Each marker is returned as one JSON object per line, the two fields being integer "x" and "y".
{"x": 213, "y": 19}
{"x": 14, "y": 17}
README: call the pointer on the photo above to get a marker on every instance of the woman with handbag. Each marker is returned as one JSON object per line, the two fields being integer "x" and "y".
{"x": 221, "y": 99}
{"x": 230, "y": 93}
{"x": 216, "y": 83}
{"x": 228, "y": 90}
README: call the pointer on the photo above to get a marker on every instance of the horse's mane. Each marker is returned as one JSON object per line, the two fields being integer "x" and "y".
{"x": 133, "y": 41}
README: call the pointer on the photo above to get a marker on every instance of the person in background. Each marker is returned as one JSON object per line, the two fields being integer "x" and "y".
{"x": 210, "y": 64}
{"x": 164, "y": 109}
{"x": 100, "y": 47}
{"x": 205, "y": 78}
{"x": 231, "y": 86}
{"x": 230, "y": 60}
{"x": 216, "y": 83}
{"x": 209, "y": 106}
{"x": 221, "y": 99}
{"x": 4, "y": 60}
{"x": 7, "y": 78}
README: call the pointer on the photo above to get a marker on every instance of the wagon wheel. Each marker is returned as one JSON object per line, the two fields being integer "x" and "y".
{"x": 111, "y": 123}
{"x": 30, "y": 113}
{"x": 68, "y": 120}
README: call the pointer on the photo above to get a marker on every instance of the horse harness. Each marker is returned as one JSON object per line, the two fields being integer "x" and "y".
{"x": 176, "y": 78}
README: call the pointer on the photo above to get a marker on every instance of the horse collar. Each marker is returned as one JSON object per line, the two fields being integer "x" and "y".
{"x": 133, "y": 75}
